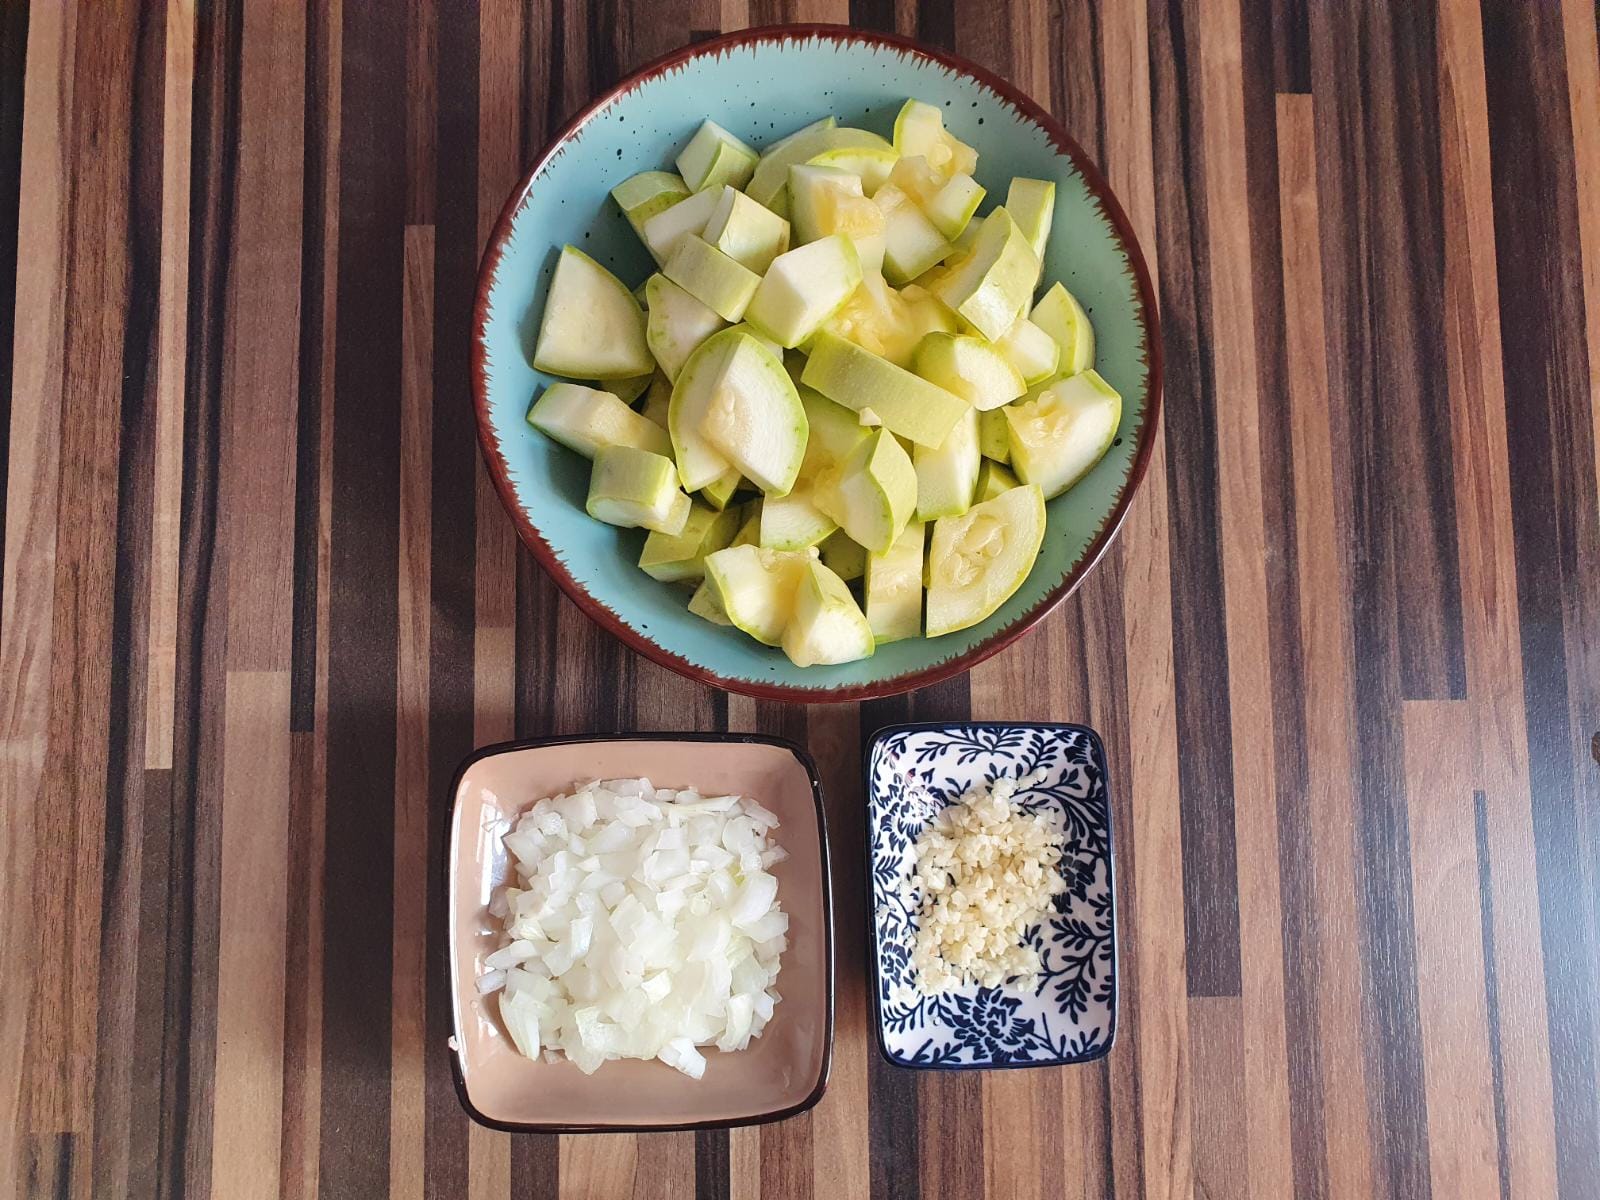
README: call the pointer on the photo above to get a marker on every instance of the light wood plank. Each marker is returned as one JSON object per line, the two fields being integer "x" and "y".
{"x": 1326, "y": 637}
{"x": 664, "y": 1166}
{"x": 1025, "y": 1136}
{"x": 71, "y": 811}
{"x": 1223, "y": 1143}
{"x": 248, "y": 1106}
{"x": 494, "y": 676}
{"x": 819, "y": 12}
{"x": 27, "y": 596}
{"x": 744, "y": 1163}
{"x": 1462, "y": 1150}
{"x": 1028, "y": 23}
{"x": 598, "y": 1166}
{"x": 161, "y": 646}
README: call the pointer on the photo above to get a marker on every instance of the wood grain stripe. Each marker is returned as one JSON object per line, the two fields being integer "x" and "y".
{"x": 1150, "y": 1082}
{"x": 171, "y": 349}
{"x": 261, "y": 363}
{"x": 27, "y": 587}
{"x": 1490, "y": 608}
{"x": 892, "y": 1116}
{"x": 598, "y": 1167}
{"x": 1095, "y": 1098}
{"x": 744, "y": 1164}
{"x": 308, "y": 712}
{"x": 259, "y": 380}
{"x": 711, "y": 1165}
{"x": 1284, "y": 29}
{"x": 842, "y": 1165}
{"x": 121, "y": 1081}
{"x": 318, "y": 319}
{"x": 1556, "y": 527}
{"x": 494, "y": 600}
{"x": 249, "y": 1066}
{"x": 422, "y": 124}
{"x": 1157, "y": 1100}
{"x": 1491, "y": 998}
{"x": 1320, "y": 831}
{"x": 194, "y": 886}
{"x": 101, "y": 342}
{"x": 494, "y": 664}
{"x": 665, "y": 1167}
{"x": 743, "y": 1144}
{"x": 1275, "y": 973}
{"x": 452, "y": 495}
{"x": 788, "y": 1148}
{"x": 1376, "y": 330}
{"x": 407, "y": 1088}
{"x": 1263, "y": 1058}
{"x": 1199, "y": 633}
{"x": 1391, "y": 178}
{"x": 356, "y": 1038}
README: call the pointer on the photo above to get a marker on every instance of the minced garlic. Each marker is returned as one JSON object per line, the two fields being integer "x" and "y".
{"x": 986, "y": 870}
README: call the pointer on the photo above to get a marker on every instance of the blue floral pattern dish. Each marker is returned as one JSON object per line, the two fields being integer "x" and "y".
{"x": 1068, "y": 1013}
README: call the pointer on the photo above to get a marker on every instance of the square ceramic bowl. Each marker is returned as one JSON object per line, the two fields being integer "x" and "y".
{"x": 1069, "y": 1013}
{"x": 760, "y": 84}
{"x": 783, "y": 1072}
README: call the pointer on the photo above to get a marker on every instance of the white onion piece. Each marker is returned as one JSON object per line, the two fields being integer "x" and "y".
{"x": 642, "y": 922}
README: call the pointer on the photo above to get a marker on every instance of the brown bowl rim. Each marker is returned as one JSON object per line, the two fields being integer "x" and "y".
{"x": 803, "y": 757}
{"x": 1148, "y": 318}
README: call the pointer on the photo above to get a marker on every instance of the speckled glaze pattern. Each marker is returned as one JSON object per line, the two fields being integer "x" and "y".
{"x": 761, "y": 84}
{"x": 1068, "y": 1012}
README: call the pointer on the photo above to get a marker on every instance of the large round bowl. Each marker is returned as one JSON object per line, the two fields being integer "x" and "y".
{"x": 761, "y": 84}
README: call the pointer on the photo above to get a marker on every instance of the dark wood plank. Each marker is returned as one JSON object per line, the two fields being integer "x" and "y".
{"x": 1200, "y": 637}
{"x": 13, "y": 75}
{"x": 359, "y": 818}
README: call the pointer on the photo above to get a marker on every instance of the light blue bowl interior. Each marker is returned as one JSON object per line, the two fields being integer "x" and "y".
{"x": 761, "y": 92}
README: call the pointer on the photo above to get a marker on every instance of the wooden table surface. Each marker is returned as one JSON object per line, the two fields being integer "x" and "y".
{"x": 258, "y": 601}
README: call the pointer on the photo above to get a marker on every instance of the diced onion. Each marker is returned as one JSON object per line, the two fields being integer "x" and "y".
{"x": 643, "y": 922}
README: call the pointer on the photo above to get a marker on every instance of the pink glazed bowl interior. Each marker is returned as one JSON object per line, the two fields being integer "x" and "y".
{"x": 783, "y": 1072}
